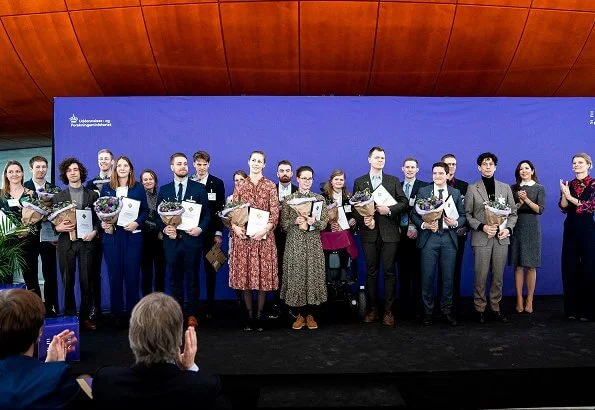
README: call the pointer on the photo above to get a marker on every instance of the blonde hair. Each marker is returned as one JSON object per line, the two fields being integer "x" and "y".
{"x": 156, "y": 328}
{"x": 584, "y": 156}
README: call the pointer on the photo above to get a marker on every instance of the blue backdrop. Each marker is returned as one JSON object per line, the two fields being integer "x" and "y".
{"x": 337, "y": 132}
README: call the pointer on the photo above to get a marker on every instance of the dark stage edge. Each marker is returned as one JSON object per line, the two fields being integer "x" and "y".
{"x": 536, "y": 360}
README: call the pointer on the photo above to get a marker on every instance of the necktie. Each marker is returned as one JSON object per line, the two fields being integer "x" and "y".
{"x": 405, "y": 216}
{"x": 180, "y": 187}
{"x": 375, "y": 181}
{"x": 441, "y": 223}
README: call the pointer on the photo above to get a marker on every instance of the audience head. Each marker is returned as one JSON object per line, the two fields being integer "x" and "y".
{"x": 156, "y": 329}
{"x": 13, "y": 172}
{"x": 21, "y": 319}
{"x": 72, "y": 171}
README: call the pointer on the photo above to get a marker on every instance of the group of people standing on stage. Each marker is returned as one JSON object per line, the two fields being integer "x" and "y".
{"x": 286, "y": 256}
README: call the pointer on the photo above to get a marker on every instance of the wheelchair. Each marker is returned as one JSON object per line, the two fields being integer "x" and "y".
{"x": 341, "y": 282}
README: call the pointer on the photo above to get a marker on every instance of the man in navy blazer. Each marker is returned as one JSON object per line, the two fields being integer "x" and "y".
{"x": 184, "y": 252}
{"x": 438, "y": 243}
{"x": 214, "y": 233}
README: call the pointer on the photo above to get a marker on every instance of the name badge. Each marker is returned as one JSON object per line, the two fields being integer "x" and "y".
{"x": 347, "y": 208}
{"x": 212, "y": 196}
{"x": 412, "y": 201}
{"x": 13, "y": 202}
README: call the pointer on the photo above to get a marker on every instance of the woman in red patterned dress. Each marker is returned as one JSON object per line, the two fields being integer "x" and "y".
{"x": 253, "y": 264}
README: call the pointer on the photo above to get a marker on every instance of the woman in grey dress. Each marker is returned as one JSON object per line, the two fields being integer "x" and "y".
{"x": 525, "y": 245}
{"x": 304, "y": 278}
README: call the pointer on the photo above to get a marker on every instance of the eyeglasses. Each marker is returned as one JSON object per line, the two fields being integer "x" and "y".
{"x": 306, "y": 179}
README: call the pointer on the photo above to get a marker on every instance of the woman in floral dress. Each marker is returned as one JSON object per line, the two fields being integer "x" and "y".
{"x": 253, "y": 263}
{"x": 304, "y": 278}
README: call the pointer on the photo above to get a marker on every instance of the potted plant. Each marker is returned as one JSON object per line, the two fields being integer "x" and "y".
{"x": 11, "y": 251}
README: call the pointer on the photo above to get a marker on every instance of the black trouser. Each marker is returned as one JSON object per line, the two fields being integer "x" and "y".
{"x": 578, "y": 266}
{"x": 280, "y": 238}
{"x": 374, "y": 252}
{"x": 408, "y": 262}
{"x": 211, "y": 274}
{"x": 48, "y": 252}
{"x": 153, "y": 256}
{"x": 84, "y": 252}
{"x": 95, "y": 275}
{"x": 456, "y": 279}
{"x": 30, "y": 246}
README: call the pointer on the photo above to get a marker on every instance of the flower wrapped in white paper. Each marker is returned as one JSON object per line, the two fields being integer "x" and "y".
{"x": 107, "y": 209}
{"x": 303, "y": 207}
{"x": 497, "y": 212}
{"x": 33, "y": 212}
{"x": 429, "y": 209}
{"x": 171, "y": 214}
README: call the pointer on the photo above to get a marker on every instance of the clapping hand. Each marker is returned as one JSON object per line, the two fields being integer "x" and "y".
{"x": 61, "y": 344}
{"x": 186, "y": 357}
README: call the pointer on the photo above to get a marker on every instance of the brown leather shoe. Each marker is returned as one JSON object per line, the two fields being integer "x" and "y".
{"x": 89, "y": 325}
{"x": 388, "y": 319}
{"x": 371, "y": 317}
{"x": 192, "y": 321}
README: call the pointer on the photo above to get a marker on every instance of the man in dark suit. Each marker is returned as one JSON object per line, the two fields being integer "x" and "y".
{"x": 380, "y": 234}
{"x": 184, "y": 252}
{"x": 38, "y": 166}
{"x": 438, "y": 243}
{"x": 162, "y": 376}
{"x": 489, "y": 242}
{"x": 451, "y": 161}
{"x": 105, "y": 161}
{"x": 73, "y": 173}
{"x": 214, "y": 233}
{"x": 408, "y": 255}
{"x": 284, "y": 188}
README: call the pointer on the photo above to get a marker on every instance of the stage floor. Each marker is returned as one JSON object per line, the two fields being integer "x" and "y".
{"x": 502, "y": 364}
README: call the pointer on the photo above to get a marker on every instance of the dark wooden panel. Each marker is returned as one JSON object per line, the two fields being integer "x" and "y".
{"x": 20, "y": 98}
{"x": 11, "y": 7}
{"x": 188, "y": 47}
{"x": 336, "y": 46}
{"x": 49, "y": 49}
{"x": 261, "y": 40}
{"x": 100, "y": 4}
{"x": 410, "y": 46}
{"x": 579, "y": 5}
{"x": 120, "y": 67}
{"x": 581, "y": 81}
{"x": 482, "y": 44}
{"x": 424, "y": 1}
{"x": 551, "y": 43}
{"x": 504, "y": 3}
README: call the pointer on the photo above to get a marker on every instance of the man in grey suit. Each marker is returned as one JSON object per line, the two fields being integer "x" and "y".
{"x": 438, "y": 243}
{"x": 490, "y": 244}
{"x": 380, "y": 234}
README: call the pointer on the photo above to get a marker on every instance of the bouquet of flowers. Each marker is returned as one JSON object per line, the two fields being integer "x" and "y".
{"x": 303, "y": 207}
{"x": 107, "y": 209}
{"x": 497, "y": 212}
{"x": 46, "y": 195}
{"x": 64, "y": 211}
{"x": 429, "y": 209}
{"x": 34, "y": 210}
{"x": 234, "y": 212}
{"x": 332, "y": 208}
{"x": 363, "y": 202}
{"x": 171, "y": 214}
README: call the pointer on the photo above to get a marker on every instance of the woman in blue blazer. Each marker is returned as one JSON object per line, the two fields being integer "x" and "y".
{"x": 123, "y": 245}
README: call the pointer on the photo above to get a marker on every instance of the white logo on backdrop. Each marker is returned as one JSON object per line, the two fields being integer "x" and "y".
{"x": 592, "y": 117}
{"x": 84, "y": 122}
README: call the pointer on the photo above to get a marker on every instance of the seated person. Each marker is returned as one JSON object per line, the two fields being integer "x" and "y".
{"x": 163, "y": 376}
{"x": 25, "y": 382}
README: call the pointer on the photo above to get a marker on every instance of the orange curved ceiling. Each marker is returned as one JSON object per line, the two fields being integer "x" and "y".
{"x": 51, "y": 48}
